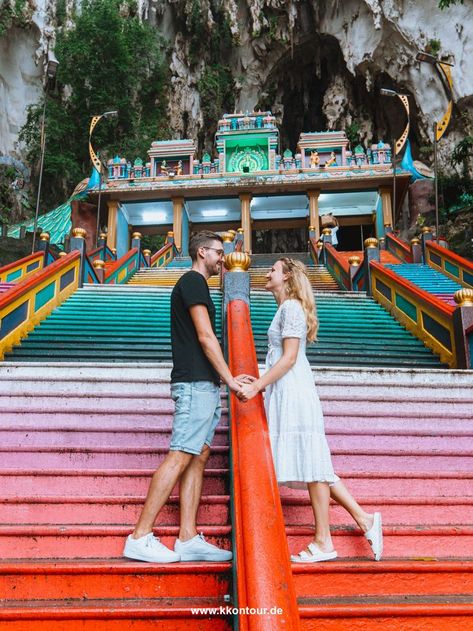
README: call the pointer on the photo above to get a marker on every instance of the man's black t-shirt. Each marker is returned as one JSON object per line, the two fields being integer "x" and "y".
{"x": 190, "y": 362}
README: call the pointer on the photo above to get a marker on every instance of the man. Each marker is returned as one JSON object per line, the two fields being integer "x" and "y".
{"x": 198, "y": 367}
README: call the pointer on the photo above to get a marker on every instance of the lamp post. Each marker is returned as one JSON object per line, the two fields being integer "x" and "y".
{"x": 97, "y": 162}
{"x": 51, "y": 69}
{"x": 439, "y": 128}
{"x": 397, "y": 146}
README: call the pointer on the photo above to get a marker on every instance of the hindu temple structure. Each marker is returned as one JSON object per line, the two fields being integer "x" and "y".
{"x": 251, "y": 183}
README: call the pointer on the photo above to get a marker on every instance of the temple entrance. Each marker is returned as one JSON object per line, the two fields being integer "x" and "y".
{"x": 280, "y": 240}
{"x": 351, "y": 238}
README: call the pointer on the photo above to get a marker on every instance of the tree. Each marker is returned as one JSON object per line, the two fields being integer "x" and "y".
{"x": 108, "y": 60}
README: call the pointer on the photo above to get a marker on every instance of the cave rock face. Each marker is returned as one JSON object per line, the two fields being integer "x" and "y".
{"x": 318, "y": 64}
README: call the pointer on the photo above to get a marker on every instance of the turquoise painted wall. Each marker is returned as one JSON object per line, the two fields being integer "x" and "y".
{"x": 122, "y": 234}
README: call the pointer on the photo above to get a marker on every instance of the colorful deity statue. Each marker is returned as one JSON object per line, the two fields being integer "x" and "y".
{"x": 332, "y": 160}
{"x": 314, "y": 159}
{"x": 164, "y": 168}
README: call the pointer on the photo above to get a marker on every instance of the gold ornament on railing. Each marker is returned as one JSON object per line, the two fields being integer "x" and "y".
{"x": 319, "y": 245}
{"x": 354, "y": 260}
{"x": 62, "y": 254}
{"x": 44, "y": 236}
{"x": 136, "y": 235}
{"x": 227, "y": 237}
{"x": 237, "y": 262}
{"x": 371, "y": 243}
{"x": 240, "y": 230}
{"x": 146, "y": 252}
{"x": 327, "y": 231}
{"x": 426, "y": 229}
{"x": 415, "y": 241}
{"x": 98, "y": 264}
{"x": 103, "y": 235}
{"x": 464, "y": 297}
{"x": 79, "y": 233}
{"x": 311, "y": 228}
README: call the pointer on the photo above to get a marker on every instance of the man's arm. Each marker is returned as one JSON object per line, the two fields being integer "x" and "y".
{"x": 210, "y": 345}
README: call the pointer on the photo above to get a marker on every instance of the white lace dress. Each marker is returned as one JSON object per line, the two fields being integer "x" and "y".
{"x": 295, "y": 418}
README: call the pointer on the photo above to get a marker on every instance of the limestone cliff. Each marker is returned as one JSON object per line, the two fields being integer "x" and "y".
{"x": 317, "y": 64}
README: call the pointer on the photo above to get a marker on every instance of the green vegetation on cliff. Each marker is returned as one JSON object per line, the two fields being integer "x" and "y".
{"x": 108, "y": 60}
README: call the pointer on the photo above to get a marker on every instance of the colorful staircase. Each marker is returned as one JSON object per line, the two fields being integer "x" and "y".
{"x": 428, "y": 279}
{"x": 108, "y": 323}
{"x": 319, "y": 276}
{"x": 401, "y": 441}
{"x": 354, "y": 331}
{"x": 165, "y": 277}
{"x": 79, "y": 444}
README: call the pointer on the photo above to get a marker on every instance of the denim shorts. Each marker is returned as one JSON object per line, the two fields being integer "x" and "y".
{"x": 196, "y": 415}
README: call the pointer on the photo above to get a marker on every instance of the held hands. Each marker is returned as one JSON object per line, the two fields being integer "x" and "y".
{"x": 249, "y": 386}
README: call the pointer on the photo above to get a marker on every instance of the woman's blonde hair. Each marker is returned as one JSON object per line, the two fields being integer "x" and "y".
{"x": 298, "y": 287}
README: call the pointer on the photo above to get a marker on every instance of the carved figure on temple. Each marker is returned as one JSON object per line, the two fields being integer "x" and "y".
{"x": 332, "y": 160}
{"x": 164, "y": 168}
{"x": 179, "y": 168}
{"x": 314, "y": 159}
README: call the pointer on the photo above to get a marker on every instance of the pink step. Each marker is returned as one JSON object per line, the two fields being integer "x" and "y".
{"x": 421, "y": 541}
{"x": 85, "y": 404}
{"x": 213, "y": 510}
{"x": 50, "y": 436}
{"x": 389, "y": 460}
{"x": 89, "y": 422}
{"x": 398, "y": 510}
{"x": 398, "y": 408}
{"x": 86, "y": 542}
{"x": 400, "y": 484}
{"x": 99, "y": 482}
{"x": 393, "y": 426}
{"x": 96, "y": 457}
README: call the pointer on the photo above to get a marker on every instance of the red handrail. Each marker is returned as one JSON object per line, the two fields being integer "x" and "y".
{"x": 262, "y": 554}
{"x": 431, "y": 245}
{"x": 401, "y": 244}
{"x": 160, "y": 252}
{"x": 35, "y": 279}
{"x": 30, "y": 257}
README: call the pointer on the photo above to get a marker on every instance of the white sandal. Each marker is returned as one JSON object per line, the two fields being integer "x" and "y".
{"x": 316, "y": 555}
{"x": 375, "y": 537}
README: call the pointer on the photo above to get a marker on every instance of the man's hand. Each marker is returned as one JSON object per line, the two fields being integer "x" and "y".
{"x": 236, "y": 388}
{"x": 243, "y": 378}
{"x": 250, "y": 390}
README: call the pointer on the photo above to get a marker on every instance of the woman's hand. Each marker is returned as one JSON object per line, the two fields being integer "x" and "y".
{"x": 250, "y": 390}
{"x": 243, "y": 379}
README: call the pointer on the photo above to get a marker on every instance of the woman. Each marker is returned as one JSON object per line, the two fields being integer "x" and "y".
{"x": 295, "y": 419}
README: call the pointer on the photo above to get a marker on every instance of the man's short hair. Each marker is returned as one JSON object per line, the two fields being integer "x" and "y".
{"x": 202, "y": 239}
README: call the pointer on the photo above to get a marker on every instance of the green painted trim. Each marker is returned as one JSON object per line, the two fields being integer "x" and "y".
{"x": 406, "y": 307}
{"x": 452, "y": 269}
{"x": 14, "y": 275}
{"x": 44, "y": 296}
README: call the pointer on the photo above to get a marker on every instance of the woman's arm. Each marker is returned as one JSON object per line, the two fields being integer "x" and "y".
{"x": 287, "y": 360}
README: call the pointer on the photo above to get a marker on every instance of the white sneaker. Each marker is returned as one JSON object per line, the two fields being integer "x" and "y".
{"x": 149, "y": 548}
{"x": 197, "y": 549}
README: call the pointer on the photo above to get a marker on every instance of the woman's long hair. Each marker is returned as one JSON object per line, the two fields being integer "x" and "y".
{"x": 298, "y": 287}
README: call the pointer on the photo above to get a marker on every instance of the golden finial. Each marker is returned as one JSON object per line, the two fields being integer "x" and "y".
{"x": 146, "y": 252}
{"x": 426, "y": 229}
{"x": 44, "y": 236}
{"x": 114, "y": 250}
{"x": 61, "y": 254}
{"x": 354, "y": 260}
{"x": 240, "y": 230}
{"x": 227, "y": 237}
{"x": 371, "y": 243}
{"x": 237, "y": 261}
{"x": 79, "y": 233}
{"x": 136, "y": 235}
{"x": 103, "y": 235}
{"x": 98, "y": 264}
{"x": 170, "y": 233}
{"x": 327, "y": 231}
{"x": 319, "y": 245}
{"x": 415, "y": 241}
{"x": 381, "y": 240}
{"x": 311, "y": 229}
{"x": 233, "y": 232}
{"x": 464, "y": 297}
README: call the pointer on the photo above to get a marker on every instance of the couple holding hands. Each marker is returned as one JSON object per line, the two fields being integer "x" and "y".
{"x": 295, "y": 419}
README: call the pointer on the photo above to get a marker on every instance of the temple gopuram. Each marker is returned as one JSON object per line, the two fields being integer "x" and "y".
{"x": 253, "y": 184}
